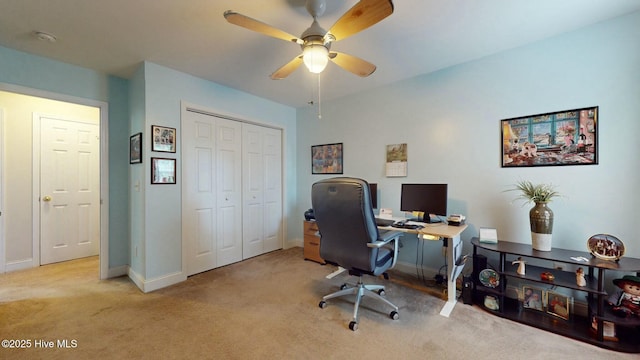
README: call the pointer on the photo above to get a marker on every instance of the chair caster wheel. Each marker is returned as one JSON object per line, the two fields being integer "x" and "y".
{"x": 381, "y": 292}
{"x": 394, "y": 315}
{"x": 322, "y": 304}
{"x": 353, "y": 326}
{"x": 343, "y": 286}
{"x": 386, "y": 276}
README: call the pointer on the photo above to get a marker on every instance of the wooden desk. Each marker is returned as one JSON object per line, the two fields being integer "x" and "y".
{"x": 451, "y": 239}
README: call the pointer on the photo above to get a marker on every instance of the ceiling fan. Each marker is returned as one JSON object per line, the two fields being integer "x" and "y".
{"x": 316, "y": 42}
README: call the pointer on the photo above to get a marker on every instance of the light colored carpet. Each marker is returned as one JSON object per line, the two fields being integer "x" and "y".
{"x": 262, "y": 308}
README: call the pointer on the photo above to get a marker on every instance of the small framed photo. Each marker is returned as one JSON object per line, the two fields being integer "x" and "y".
{"x": 163, "y": 139}
{"x": 163, "y": 171}
{"x": 532, "y": 298}
{"x": 558, "y": 305}
{"x": 135, "y": 148}
{"x": 326, "y": 159}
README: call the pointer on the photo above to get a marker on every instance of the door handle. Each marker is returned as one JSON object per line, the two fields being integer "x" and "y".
{"x": 46, "y": 198}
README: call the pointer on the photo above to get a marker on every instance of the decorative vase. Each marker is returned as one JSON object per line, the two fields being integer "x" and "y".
{"x": 541, "y": 218}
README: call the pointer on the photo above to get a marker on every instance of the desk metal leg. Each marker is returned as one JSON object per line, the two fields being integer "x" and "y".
{"x": 454, "y": 245}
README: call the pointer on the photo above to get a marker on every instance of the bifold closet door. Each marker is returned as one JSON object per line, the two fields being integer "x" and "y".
{"x": 262, "y": 190}
{"x": 212, "y": 191}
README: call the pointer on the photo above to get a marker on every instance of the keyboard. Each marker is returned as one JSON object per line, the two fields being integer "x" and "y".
{"x": 407, "y": 226}
{"x": 384, "y": 222}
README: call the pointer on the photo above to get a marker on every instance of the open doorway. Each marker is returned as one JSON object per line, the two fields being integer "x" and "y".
{"x": 28, "y": 117}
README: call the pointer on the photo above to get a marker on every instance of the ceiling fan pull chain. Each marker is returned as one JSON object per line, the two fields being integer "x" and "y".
{"x": 319, "y": 100}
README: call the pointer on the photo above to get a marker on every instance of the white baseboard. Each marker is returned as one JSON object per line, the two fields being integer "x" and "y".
{"x": 19, "y": 265}
{"x": 294, "y": 243}
{"x": 117, "y": 271}
{"x": 157, "y": 283}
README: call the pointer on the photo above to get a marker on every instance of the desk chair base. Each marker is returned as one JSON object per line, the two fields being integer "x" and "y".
{"x": 360, "y": 290}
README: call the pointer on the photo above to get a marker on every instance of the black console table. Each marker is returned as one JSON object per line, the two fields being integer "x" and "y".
{"x": 577, "y": 327}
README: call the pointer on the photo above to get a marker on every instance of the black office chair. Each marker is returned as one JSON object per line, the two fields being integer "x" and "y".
{"x": 349, "y": 238}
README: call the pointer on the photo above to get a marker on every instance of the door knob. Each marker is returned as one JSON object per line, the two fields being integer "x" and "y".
{"x": 46, "y": 198}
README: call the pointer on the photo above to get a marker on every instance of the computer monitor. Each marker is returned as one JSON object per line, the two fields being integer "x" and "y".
{"x": 431, "y": 199}
{"x": 373, "y": 190}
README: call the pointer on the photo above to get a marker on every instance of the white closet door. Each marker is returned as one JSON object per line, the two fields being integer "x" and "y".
{"x": 199, "y": 216}
{"x": 229, "y": 178}
{"x": 212, "y": 189}
{"x": 253, "y": 184}
{"x": 272, "y": 146}
{"x": 262, "y": 178}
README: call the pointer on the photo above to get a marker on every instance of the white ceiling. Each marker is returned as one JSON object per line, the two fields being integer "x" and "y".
{"x": 191, "y": 36}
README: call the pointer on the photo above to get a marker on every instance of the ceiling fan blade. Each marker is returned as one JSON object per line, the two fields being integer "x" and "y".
{"x": 361, "y": 16}
{"x": 352, "y": 64}
{"x": 258, "y": 26}
{"x": 287, "y": 69}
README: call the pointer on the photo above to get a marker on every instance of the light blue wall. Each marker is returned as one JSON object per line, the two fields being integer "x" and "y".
{"x": 18, "y": 68}
{"x": 138, "y": 172}
{"x": 164, "y": 90}
{"x": 450, "y": 121}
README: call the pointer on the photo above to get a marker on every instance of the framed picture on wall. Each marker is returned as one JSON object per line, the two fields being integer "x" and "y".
{"x": 163, "y": 171}
{"x": 163, "y": 139}
{"x": 135, "y": 148}
{"x": 568, "y": 137}
{"x": 326, "y": 159}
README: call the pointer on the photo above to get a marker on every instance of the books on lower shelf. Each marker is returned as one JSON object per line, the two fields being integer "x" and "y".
{"x": 488, "y": 235}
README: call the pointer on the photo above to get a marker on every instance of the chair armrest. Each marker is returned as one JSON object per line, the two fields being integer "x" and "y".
{"x": 385, "y": 238}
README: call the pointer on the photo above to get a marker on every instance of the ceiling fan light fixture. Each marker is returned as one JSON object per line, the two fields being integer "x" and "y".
{"x": 315, "y": 57}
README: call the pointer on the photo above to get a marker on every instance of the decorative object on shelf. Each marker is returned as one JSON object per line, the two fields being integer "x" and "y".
{"x": 491, "y": 302}
{"x": 547, "y": 276}
{"x": 489, "y": 278}
{"x": 521, "y": 266}
{"x": 626, "y": 300}
{"x": 605, "y": 247}
{"x": 532, "y": 298}
{"x": 608, "y": 329}
{"x": 558, "y": 305}
{"x": 540, "y": 216}
{"x": 567, "y": 137}
{"x": 580, "y": 280}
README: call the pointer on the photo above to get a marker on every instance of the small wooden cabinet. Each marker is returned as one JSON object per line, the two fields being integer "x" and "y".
{"x": 312, "y": 242}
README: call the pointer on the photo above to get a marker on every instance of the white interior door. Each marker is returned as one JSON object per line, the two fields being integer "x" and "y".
{"x": 69, "y": 190}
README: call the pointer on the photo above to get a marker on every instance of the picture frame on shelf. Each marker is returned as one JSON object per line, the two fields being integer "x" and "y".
{"x": 163, "y": 171}
{"x": 326, "y": 159}
{"x": 163, "y": 139}
{"x": 135, "y": 148}
{"x": 532, "y": 298}
{"x": 558, "y": 304}
{"x": 568, "y": 137}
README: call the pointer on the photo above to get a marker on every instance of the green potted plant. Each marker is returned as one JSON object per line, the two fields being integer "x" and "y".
{"x": 540, "y": 216}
